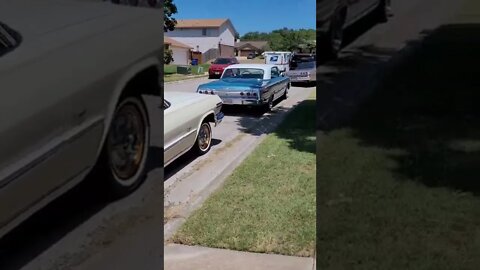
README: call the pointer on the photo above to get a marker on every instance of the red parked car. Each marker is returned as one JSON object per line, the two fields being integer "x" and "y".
{"x": 217, "y": 67}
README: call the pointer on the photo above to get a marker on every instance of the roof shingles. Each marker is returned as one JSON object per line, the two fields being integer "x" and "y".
{"x": 200, "y": 23}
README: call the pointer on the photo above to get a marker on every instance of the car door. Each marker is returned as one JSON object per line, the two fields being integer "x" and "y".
{"x": 33, "y": 123}
{"x": 180, "y": 131}
{"x": 276, "y": 82}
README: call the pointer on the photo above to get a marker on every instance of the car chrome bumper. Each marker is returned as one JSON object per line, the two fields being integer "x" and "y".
{"x": 241, "y": 101}
{"x": 300, "y": 79}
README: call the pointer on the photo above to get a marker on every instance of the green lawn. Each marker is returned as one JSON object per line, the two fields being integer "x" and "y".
{"x": 171, "y": 75}
{"x": 268, "y": 203}
{"x": 399, "y": 187}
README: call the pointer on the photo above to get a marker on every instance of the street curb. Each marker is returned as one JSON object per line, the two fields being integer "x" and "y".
{"x": 171, "y": 227}
{"x": 189, "y": 79}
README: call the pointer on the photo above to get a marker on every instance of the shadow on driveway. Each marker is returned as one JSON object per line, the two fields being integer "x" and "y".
{"x": 423, "y": 102}
{"x": 49, "y": 225}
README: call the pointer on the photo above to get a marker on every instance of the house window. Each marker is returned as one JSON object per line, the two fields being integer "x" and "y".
{"x": 204, "y": 31}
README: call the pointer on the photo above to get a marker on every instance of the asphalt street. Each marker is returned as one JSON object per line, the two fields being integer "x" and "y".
{"x": 83, "y": 231}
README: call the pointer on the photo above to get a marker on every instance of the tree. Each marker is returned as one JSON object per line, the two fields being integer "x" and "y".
{"x": 169, "y": 8}
{"x": 283, "y": 39}
{"x": 168, "y": 56}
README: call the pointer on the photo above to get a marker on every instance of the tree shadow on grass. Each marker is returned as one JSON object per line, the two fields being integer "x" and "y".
{"x": 428, "y": 108}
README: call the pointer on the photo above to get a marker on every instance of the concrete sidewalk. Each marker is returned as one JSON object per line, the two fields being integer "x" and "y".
{"x": 180, "y": 257}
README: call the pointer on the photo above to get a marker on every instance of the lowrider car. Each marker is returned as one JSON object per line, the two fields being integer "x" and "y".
{"x": 303, "y": 72}
{"x": 187, "y": 118}
{"x": 71, "y": 99}
{"x": 249, "y": 84}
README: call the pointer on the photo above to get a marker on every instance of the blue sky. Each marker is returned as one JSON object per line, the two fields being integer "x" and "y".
{"x": 252, "y": 15}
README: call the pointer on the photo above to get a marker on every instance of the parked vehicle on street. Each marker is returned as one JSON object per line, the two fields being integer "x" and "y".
{"x": 71, "y": 99}
{"x": 249, "y": 84}
{"x": 187, "y": 118}
{"x": 280, "y": 59}
{"x": 216, "y": 69}
{"x": 251, "y": 56}
{"x": 333, "y": 16}
{"x": 302, "y": 57}
{"x": 303, "y": 72}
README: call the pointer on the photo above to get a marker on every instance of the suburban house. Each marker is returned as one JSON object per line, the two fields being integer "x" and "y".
{"x": 209, "y": 38}
{"x": 181, "y": 52}
{"x": 244, "y": 48}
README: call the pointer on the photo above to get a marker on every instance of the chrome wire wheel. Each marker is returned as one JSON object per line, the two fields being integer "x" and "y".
{"x": 126, "y": 143}
{"x": 204, "y": 138}
{"x": 270, "y": 104}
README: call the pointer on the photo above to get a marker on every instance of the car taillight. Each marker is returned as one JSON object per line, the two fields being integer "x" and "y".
{"x": 254, "y": 94}
{"x": 248, "y": 93}
{"x": 241, "y": 94}
{"x": 200, "y": 91}
{"x": 211, "y": 92}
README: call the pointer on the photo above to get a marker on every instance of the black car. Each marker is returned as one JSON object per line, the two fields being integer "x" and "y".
{"x": 251, "y": 56}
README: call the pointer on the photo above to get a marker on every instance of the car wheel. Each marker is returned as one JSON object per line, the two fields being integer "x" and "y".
{"x": 204, "y": 139}
{"x": 269, "y": 105}
{"x": 383, "y": 11}
{"x": 285, "y": 94}
{"x": 126, "y": 147}
{"x": 333, "y": 40}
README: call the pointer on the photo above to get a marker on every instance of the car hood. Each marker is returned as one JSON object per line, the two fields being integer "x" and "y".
{"x": 219, "y": 66}
{"x": 186, "y": 99}
{"x": 233, "y": 84}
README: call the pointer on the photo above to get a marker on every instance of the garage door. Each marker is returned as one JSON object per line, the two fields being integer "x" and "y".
{"x": 180, "y": 56}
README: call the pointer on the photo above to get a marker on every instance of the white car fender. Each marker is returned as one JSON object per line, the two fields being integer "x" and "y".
{"x": 203, "y": 118}
{"x": 119, "y": 87}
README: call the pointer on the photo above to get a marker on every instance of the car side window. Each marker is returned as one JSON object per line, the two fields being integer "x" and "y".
{"x": 275, "y": 72}
{"x": 9, "y": 39}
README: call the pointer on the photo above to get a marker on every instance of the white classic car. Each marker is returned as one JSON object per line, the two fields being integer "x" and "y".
{"x": 187, "y": 118}
{"x": 71, "y": 99}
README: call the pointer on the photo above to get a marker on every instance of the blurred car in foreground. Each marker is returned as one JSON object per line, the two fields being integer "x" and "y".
{"x": 216, "y": 68}
{"x": 249, "y": 84}
{"x": 333, "y": 16}
{"x": 71, "y": 99}
{"x": 187, "y": 118}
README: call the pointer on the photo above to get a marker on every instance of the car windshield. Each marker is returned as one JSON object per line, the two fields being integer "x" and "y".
{"x": 243, "y": 73}
{"x": 303, "y": 58}
{"x": 222, "y": 61}
{"x": 304, "y": 65}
